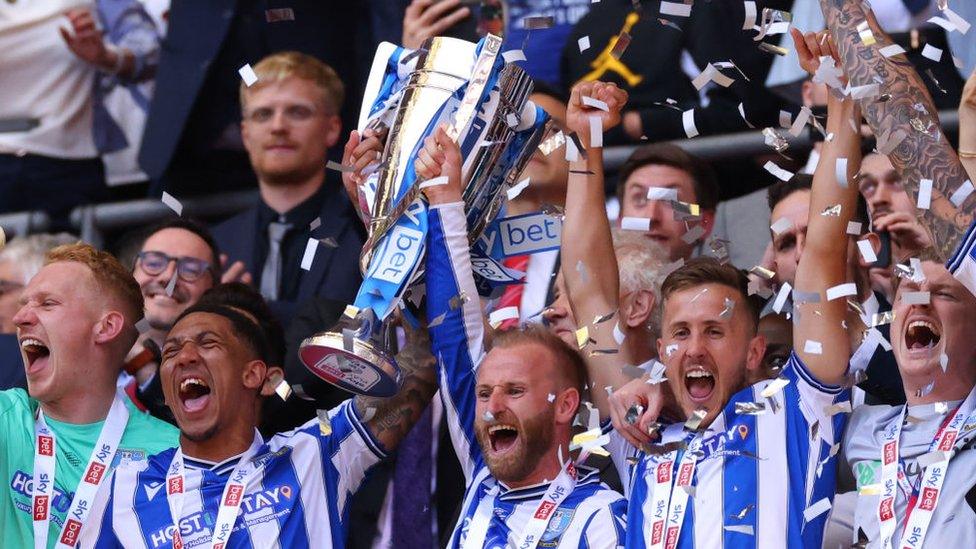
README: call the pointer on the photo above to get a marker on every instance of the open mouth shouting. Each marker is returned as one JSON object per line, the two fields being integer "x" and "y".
{"x": 194, "y": 394}
{"x": 36, "y": 354}
{"x": 502, "y": 438}
{"x": 699, "y": 383}
{"x": 921, "y": 337}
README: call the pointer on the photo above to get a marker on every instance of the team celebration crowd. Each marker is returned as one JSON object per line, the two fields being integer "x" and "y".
{"x": 642, "y": 273}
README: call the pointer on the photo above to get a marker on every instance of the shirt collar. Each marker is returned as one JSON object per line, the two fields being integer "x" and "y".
{"x": 535, "y": 491}
{"x": 300, "y": 216}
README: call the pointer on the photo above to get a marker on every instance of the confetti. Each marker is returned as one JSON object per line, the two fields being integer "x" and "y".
{"x": 688, "y": 121}
{"x": 279, "y": 14}
{"x": 742, "y": 113}
{"x": 142, "y": 326}
{"x": 711, "y": 74}
{"x": 552, "y": 143}
{"x": 511, "y": 56}
{"x": 433, "y": 182}
{"x": 762, "y": 272}
{"x": 750, "y": 19}
{"x": 839, "y": 408}
{"x": 693, "y": 234}
{"x": 773, "y": 139}
{"x": 750, "y": 408}
{"x": 662, "y": 193}
{"x": 841, "y": 290}
{"x": 596, "y": 131}
{"x": 329, "y": 242}
{"x": 247, "y": 75}
{"x": 924, "y": 194}
{"x": 670, "y": 349}
{"x": 881, "y": 319}
{"x": 784, "y": 119}
{"x": 437, "y": 321}
{"x": 915, "y": 298}
{"x": 816, "y": 509}
{"x": 944, "y": 361}
{"x": 727, "y": 311}
{"x": 369, "y": 414}
{"x": 930, "y": 458}
{"x": 961, "y": 24}
{"x": 781, "y": 225}
{"x": 309, "y": 254}
{"x": 488, "y": 416}
{"x": 537, "y": 22}
{"x": 458, "y": 301}
{"x": 315, "y": 224}
{"x": 618, "y": 334}
{"x": 962, "y": 193}
{"x": 497, "y": 317}
{"x": 867, "y": 37}
{"x": 888, "y": 142}
{"x": 867, "y": 252}
{"x": 780, "y": 300}
{"x": 620, "y": 45}
{"x": 517, "y": 189}
{"x": 635, "y": 224}
{"x": 780, "y": 173}
{"x": 866, "y": 91}
{"x": 675, "y": 8}
{"x": 595, "y": 103}
{"x": 891, "y": 50}
{"x": 582, "y": 337}
{"x": 283, "y": 389}
{"x": 812, "y": 347}
{"x": 171, "y": 286}
{"x": 572, "y": 150}
{"x": 696, "y": 419}
{"x": 944, "y": 23}
{"x": 325, "y": 424}
{"x": 806, "y": 297}
{"x": 584, "y": 43}
{"x": 774, "y": 49}
{"x": 932, "y": 52}
{"x": 551, "y": 398}
{"x": 173, "y": 203}
{"x": 831, "y": 211}
{"x": 924, "y": 391}
{"x": 774, "y": 387}
{"x": 854, "y": 228}
{"x": 801, "y": 120}
{"x": 746, "y": 529}
{"x": 633, "y": 414}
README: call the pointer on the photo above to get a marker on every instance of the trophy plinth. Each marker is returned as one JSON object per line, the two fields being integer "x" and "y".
{"x": 365, "y": 370}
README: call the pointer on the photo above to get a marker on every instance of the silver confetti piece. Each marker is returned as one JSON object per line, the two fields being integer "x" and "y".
{"x": 325, "y": 424}
{"x": 488, "y": 416}
{"x": 537, "y": 22}
{"x": 696, "y": 419}
{"x": 750, "y": 408}
{"x": 633, "y": 414}
{"x": 727, "y": 311}
{"x": 831, "y": 211}
{"x": 459, "y": 300}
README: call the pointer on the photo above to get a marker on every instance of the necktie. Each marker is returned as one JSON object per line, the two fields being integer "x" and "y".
{"x": 916, "y": 6}
{"x": 512, "y": 296}
{"x": 411, "y": 487}
{"x": 271, "y": 274}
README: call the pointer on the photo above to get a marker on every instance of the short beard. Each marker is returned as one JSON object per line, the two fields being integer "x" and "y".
{"x": 207, "y": 435}
{"x": 289, "y": 178}
{"x": 535, "y": 439}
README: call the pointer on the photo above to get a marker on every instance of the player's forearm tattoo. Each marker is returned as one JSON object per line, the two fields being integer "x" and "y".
{"x": 904, "y": 107}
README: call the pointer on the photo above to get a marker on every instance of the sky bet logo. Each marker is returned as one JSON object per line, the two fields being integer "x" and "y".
{"x": 398, "y": 255}
{"x": 23, "y": 484}
{"x": 94, "y": 473}
{"x": 45, "y": 445}
{"x": 544, "y": 510}
{"x": 233, "y": 495}
{"x": 40, "y": 507}
{"x": 664, "y": 471}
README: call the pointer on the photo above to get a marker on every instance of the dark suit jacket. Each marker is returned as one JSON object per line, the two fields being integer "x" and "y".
{"x": 335, "y": 271}
{"x": 197, "y": 38}
{"x": 12, "y": 374}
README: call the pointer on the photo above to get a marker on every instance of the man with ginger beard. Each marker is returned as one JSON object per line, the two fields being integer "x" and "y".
{"x": 518, "y": 401}
{"x": 74, "y": 326}
{"x": 224, "y": 481}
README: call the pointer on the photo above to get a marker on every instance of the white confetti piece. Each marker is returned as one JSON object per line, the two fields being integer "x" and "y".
{"x": 840, "y": 172}
{"x": 742, "y": 113}
{"x": 839, "y": 408}
{"x": 780, "y": 225}
{"x": 746, "y": 529}
{"x": 841, "y": 290}
{"x": 335, "y": 166}
{"x": 635, "y": 224}
{"x": 309, "y": 255}
{"x": 173, "y": 203}
{"x": 854, "y": 228}
{"x": 688, "y": 120}
{"x": 891, "y": 50}
{"x": 584, "y": 43}
{"x": 498, "y": 316}
{"x": 780, "y": 173}
{"x": 867, "y": 251}
{"x": 595, "y": 103}
{"x": 813, "y": 347}
{"x": 572, "y": 153}
{"x": 924, "y": 194}
{"x": 750, "y": 19}
{"x": 961, "y": 24}
{"x": 512, "y": 120}
{"x": 864, "y": 92}
{"x": 315, "y": 224}
{"x": 932, "y": 52}
{"x": 247, "y": 75}
{"x": 933, "y": 457}
{"x": 781, "y": 296}
{"x": 655, "y": 370}
{"x": 867, "y": 37}
{"x": 944, "y": 361}
{"x": 596, "y": 131}
{"x": 143, "y": 325}
{"x": 433, "y": 182}
{"x": 801, "y": 120}
{"x": 962, "y": 193}
{"x": 517, "y": 189}
{"x": 618, "y": 334}
{"x": 662, "y": 193}
{"x": 551, "y": 398}
{"x": 916, "y": 298}
{"x": 675, "y": 8}
{"x": 944, "y": 23}
{"x": 774, "y": 387}
{"x": 816, "y": 510}
{"x": 172, "y": 285}
{"x": 511, "y": 56}
{"x": 785, "y": 119}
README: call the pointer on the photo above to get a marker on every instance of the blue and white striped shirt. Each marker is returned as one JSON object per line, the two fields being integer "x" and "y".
{"x": 758, "y": 475}
{"x": 592, "y": 515}
{"x": 297, "y": 498}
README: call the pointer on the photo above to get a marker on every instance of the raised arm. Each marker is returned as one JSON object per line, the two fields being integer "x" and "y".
{"x": 390, "y": 419}
{"x": 823, "y": 264}
{"x": 589, "y": 265}
{"x": 967, "y": 127}
{"x": 906, "y": 109}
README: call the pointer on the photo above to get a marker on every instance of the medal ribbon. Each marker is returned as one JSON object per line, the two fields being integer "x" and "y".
{"x": 670, "y": 496}
{"x": 559, "y": 489}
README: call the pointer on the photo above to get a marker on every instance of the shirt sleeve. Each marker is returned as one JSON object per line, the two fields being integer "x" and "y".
{"x": 962, "y": 264}
{"x": 622, "y": 453}
{"x": 347, "y": 453}
{"x": 456, "y": 328}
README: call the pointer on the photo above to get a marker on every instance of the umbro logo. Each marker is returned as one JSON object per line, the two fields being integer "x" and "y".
{"x": 152, "y": 489}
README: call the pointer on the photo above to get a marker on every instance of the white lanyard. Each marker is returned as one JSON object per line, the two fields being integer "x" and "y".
{"x": 669, "y": 501}
{"x": 230, "y": 499}
{"x": 559, "y": 489}
{"x": 478, "y": 527}
{"x": 45, "y": 450}
{"x": 922, "y": 504}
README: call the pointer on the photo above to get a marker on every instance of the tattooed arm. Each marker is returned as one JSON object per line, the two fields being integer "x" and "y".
{"x": 393, "y": 417}
{"x": 924, "y": 153}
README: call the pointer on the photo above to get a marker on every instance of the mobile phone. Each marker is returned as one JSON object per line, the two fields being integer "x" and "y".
{"x": 884, "y": 254}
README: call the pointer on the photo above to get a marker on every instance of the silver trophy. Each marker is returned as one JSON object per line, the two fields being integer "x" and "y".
{"x": 485, "y": 103}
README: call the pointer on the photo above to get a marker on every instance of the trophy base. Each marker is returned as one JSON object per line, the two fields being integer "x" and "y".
{"x": 366, "y": 370}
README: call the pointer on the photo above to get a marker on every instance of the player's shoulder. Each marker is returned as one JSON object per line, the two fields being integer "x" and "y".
{"x": 864, "y": 427}
{"x": 16, "y": 404}
{"x": 592, "y": 492}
